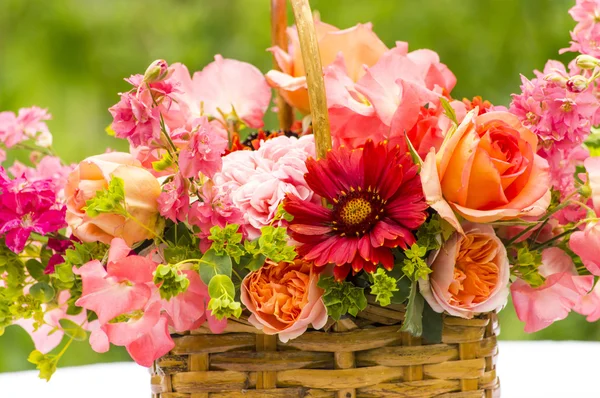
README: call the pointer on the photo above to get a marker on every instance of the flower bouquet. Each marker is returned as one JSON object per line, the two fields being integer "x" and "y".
{"x": 360, "y": 250}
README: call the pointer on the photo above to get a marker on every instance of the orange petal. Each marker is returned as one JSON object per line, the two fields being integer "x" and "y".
{"x": 486, "y": 186}
{"x": 514, "y": 122}
{"x": 451, "y": 141}
{"x": 455, "y": 182}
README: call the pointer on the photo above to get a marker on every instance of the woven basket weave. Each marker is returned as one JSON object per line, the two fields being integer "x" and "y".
{"x": 362, "y": 357}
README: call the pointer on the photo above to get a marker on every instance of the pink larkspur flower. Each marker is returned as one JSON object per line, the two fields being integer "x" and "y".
{"x": 48, "y": 168}
{"x": 586, "y": 35}
{"x": 202, "y": 153}
{"x": 560, "y": 293}
{"x": 215, "y": 208}
{"x": 137, "y": 116}
{"x": 259, "y": 180}
{"x": 224, "y": 88}
{"x": 551, "y": 111}
{"x": 174, "y": 200}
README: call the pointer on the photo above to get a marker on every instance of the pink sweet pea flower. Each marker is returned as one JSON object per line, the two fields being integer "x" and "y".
{"x": 185, "y": 310}
{"x": 589, "y": 304}
{"x": 586, "y": 244}
{"x": 152, "y": 345}
{"x": 560, "y": 293}
{"x": 120, "y": 289}
{"x": 398, "y": 96}
{"x": 224, "y": 88}
{"x": 202, "y": 153}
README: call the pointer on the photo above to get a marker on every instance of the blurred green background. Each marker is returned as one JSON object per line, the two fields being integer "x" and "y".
{"x": 71, "y": 56}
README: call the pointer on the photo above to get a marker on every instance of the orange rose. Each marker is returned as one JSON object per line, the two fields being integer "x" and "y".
{"x": 487, "y": 170}
{"x": 141, "y": 192}
{"x": 358, "y": 45}
{"x": 284, "y": 299}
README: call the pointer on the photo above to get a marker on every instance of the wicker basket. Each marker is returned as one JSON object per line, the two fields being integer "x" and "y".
{"x": 360, "y": 357}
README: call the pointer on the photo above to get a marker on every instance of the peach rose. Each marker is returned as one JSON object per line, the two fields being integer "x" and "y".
{"x": 487, "y": 170}
{"x": 470, "y": 273}
{"x": 284, "y": 299}
{"x": 141, "y": 192}
{"x": 358, "y": 45}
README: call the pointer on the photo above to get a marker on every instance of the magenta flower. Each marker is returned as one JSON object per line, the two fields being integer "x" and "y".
{"x": 27, "y": 207}
{"x": 202, "y": 153}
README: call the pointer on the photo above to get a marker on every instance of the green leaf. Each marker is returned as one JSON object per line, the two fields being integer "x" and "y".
{"x": 227, "y": 241}
{"x": 213, "y": 264}
{"x": 384, "y": 287}
{"x": 36, "y": 270}
{"x": 252, "y": 263}
{"x": 404, "y": 286}
{"x": 170, "y": 280}
{"x": 413, "y": 152}
{"x": 219, "y": 285}
{"x": 432, "y": 325}
{"x": 448, "y": 110}
{"x": 413, "y": 320}
{"x": 42, "y": 291}
{"x": 73, "y": 330}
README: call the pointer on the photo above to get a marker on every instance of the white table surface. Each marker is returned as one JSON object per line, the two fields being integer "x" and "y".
{"x": 527, "y": 370}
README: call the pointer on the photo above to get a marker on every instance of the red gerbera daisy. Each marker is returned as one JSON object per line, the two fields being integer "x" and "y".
{"x": 376, "y": 202}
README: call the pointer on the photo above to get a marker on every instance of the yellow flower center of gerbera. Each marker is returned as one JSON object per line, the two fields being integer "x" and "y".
{"x": 355, "y": 211}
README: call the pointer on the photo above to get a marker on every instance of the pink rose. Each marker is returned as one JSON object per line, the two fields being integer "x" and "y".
{"x": 561, "y": 292}
{"x": 142, "y": 190}
{"x": 284, "y": 299}
{"x": 470, "y": 273}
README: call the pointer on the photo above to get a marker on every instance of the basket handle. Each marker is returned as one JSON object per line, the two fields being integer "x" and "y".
{"x": 312, "y": 64}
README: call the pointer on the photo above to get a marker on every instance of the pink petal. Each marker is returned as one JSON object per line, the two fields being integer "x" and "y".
{"x": 124, "y": 333}
{"x": 154, "y": 344}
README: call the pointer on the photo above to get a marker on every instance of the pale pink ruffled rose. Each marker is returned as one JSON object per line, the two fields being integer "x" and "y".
{"x": 359, "y": 46}
{"x": 284, "y": 299}
{"x": 470, "y": 273}
{"x": 586, "y": 244}
{"x": 258, "y": 181}
{"x": 560, "y": 293}
{"x": 224, "y": 88}
{"x": 141, "y": 193}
